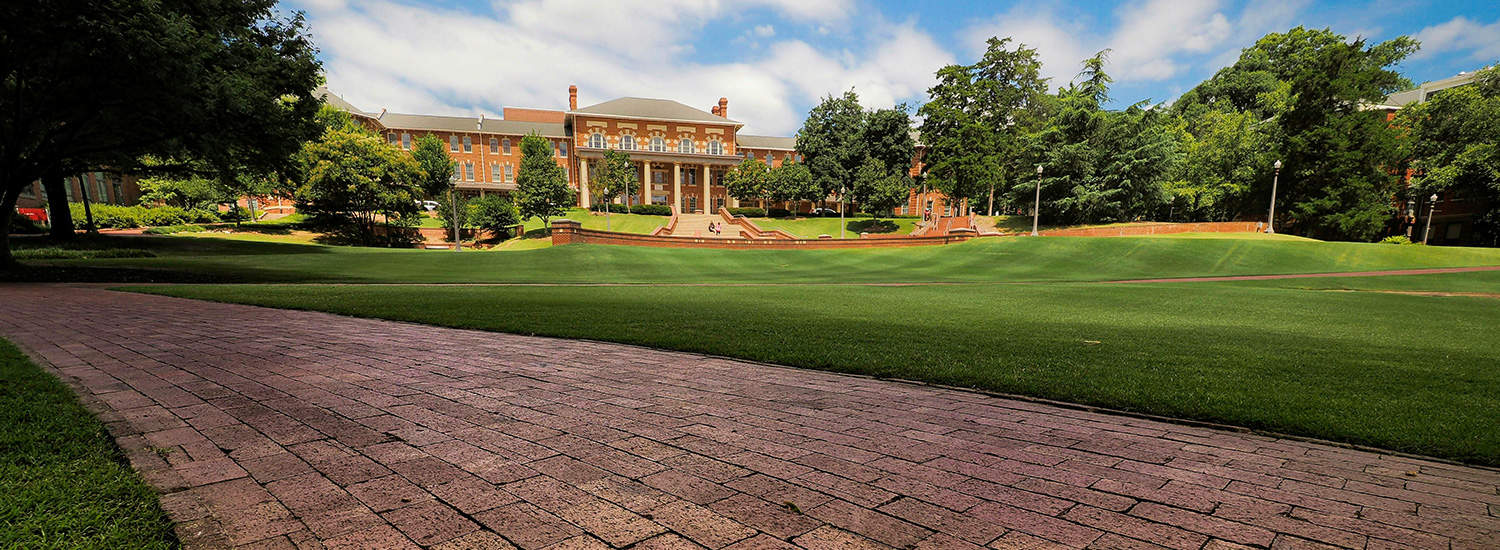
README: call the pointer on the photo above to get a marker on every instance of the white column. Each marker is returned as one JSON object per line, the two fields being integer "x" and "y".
{"x": 677, "y": 187}
{"x": 583, "y": 182}
{"x": 645, "y": 182}
{"x": 707, "y": 197}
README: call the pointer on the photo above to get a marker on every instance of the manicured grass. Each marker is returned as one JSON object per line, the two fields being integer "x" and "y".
{"x": 64, "y": 482}
{"x": 1410, "y": 373}
{"x": 981, "y": 260}
{"x": 810, "y": 228}
{"x": 622, "y": 223}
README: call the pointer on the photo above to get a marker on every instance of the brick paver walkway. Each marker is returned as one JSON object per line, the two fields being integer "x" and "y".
{"x": 280, "y": 429}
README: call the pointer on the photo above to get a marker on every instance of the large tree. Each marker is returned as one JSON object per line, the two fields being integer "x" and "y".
{"x": 792, "y": 183}
{"x": 877, "y": 189}
{"x": 541, "y": 186}
{"x": 610, "y": 177}
{"x": 1308, "y": 87}
{"x": 435, "y": 166}
{"x": 977, "y": 117}
{"x": 830, "y": 143}
{"x": 750, "y": 180}
{"x": 356, "y": 179}
{"x": 89, "y": 85}
{"x": 1453, "y": 142}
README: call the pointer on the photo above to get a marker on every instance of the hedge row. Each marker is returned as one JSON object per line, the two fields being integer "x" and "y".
{"x": 110, "y": 216}
{"x": 644, "y": 209}
{"x": 749, "y": 212}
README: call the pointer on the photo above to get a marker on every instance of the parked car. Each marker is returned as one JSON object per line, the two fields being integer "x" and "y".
{"x": 826, "y": 212}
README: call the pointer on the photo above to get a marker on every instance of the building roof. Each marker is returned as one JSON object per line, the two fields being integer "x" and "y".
{"x": 766, "y": 142}
{"x": 402, "y": 121}
{"x": 1423, "y": 92}
{"x": 336, "y": 101}
{"x": 645, "y": 108}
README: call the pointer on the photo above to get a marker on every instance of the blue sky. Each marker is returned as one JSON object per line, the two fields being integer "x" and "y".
{"x": 773, "y": 59}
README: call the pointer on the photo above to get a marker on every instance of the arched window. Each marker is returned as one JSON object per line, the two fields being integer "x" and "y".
{"x": 596, "y": 140}
{"x": 715, "y": 147}
{"x": 494, "y": 146}
{"x": 627, "y": 142}
{"x": 658, "y": 144}
{"x": 505, "y": 145}
{"x": 684, "y": 145}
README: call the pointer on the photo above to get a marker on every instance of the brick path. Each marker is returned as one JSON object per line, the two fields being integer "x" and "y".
{"x": 280, "y": 429}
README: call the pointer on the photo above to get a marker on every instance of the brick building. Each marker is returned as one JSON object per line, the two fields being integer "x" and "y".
{"x": 101, "y": 188}
{"x": 681, "y": 153}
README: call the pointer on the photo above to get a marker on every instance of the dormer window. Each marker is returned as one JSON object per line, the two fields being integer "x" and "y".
{"x": 596, "y": 140}
{"x": 684, "y": 145}
{"x": 658, "y": 144}
{"x": 627, "y": 142}
{"x": 715, "y": 147}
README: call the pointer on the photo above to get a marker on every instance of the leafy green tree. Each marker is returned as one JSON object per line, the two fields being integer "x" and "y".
{"x": 877, "y": 189}
{"x": 541, "y": 187}
{"x": 886, "y": 137}
{"x": 830, "y": 143}
{"x": 792, "y": 183}
{"x": 1307, "y": 87}
{"x": 496, "y": 214}
{"x": 1453, "y": 143}
{"x": 457, "y": 212}
{"x": 750, "y": 180}
{"x": 434, "y": 164}
{"x": 1223, "y": 154}
{"x": 977, "y": 119}
{"x": 610, "y": 177}
{"x": 355, "y": 178}
{"x": 190, "y": 192}
{"x": 104, "y": 83}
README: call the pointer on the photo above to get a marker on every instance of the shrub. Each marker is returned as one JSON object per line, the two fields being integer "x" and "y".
{"x": 748, "y": 212}
{"x": 778, "y": 213}
{"x": 203, "y": 215}
{"x": 615, "y": 208}
{"x": 170, "y": 229}
{"x": 59, "y": 253}
{"x": 1396, "y": 239}
{"x": 235, "y": 214}
{"x": 111, "y": 216}
{"x": 652, "y": 210}
{"x": 496, "y": 214}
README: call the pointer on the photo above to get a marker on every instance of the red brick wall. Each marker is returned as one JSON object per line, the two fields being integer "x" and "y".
{"x": 569, "y": 232}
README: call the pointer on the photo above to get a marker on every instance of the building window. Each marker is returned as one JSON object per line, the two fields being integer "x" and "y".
{"x": 596, "y": 140}
{"x": 562, "y": 149}
{"x": 658, "y": 144}
{"x": 715, "y": 147}
{"x": 453, "y": 144}
{"x": 510, "y": 174}
{"x": 456, "y": 173}
{"x": 692, "y": 204}
{"x": 627, "y": 142}
{"x": 469, "y": 171}
{"x": 505, "y": 145}
{"x": 468, "y": 144}
{"x": 392, "y": 137}
{"x": 405, "y": 140}
{"x": 750, "y": 155}
{"x": 684, "y": 145}
{"x": 495, "y": 172}
{"x": 494, "y": 146}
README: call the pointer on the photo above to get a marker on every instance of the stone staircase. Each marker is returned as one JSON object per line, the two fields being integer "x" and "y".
{"x": 696, "y": 225}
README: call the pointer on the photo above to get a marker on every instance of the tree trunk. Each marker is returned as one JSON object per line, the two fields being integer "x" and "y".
{"x": 88, "y": 212}
{"x": 61, "y": 217}
{"x": 8, "y": 207}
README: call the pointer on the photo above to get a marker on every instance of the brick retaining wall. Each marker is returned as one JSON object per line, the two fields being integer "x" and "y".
{"x": 570, "y": 232}
{"x": 1156, "y": 229}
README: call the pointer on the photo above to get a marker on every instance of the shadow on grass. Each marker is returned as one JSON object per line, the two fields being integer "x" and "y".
{"x": 872, "y": 226}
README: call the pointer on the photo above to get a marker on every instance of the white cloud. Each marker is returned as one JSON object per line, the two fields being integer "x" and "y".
{"x": 1461, "y": 34}
{"x": 390, "y": 54}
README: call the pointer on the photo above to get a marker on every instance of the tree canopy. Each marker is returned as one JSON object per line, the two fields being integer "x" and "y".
{"x": 91, "y": 85}
{"x": 541, "y": 186}
{"x": 1453, "y": 143}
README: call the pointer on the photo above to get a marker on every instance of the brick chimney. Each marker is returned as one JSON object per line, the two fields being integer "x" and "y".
{"x": 723, "y": 107}
{"x": 573, "y": 98}
{"x": 714, "y": 109}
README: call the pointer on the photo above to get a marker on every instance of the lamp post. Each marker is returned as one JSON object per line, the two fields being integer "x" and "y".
{"x": 1427, "y": 233}
{"x": 1036, "y": 208}
{"x": 458, "y": 238}
{"x": 1275, "y": 179}
{"x": 842, "y": 227}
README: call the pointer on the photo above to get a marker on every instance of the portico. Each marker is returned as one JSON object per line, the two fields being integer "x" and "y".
{"x": 685, "y": 181}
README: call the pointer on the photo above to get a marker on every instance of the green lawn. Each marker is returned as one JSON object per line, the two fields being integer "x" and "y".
{"x": 65, "y": 483}
{"x": 623, "y": 223}
{"x": 810, "y": 228}
{"x": 980, "y": 260}
{"x": 1410, "y": 373}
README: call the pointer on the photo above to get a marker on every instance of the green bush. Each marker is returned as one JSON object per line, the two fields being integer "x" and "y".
{"x": 748, "y": 212}
{"x": 235, "y": 214}
{"x": 111, "y": 216}
{"x": 778, "y": 213}
{"x": 652, "y": 209}
{"x": 170, "y": 229}
{"x": 615, "y": 208}
{"x": 494, "y": 213}
{"x": 1396, "y": 239}
{"x": 58, "y": 253}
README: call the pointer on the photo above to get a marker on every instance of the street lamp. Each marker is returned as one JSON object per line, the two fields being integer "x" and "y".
{"x": 1036, "y": 208}
{"x": 458, "y": 239}
{"x": 1275, "y": 179}
{"x": 842, "y": 227}
{"x": 1427, "y": 233}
